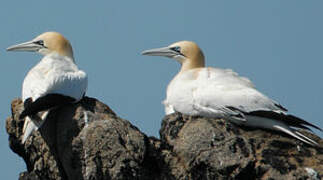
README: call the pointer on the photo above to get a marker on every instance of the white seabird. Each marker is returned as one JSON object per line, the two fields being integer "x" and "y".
{"x": 222, "y": 93}
{"x": 53, "y": 82}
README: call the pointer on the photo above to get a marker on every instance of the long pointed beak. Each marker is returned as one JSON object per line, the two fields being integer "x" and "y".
{"x": 26, "y": 46}
{"x": 165, "y": 51}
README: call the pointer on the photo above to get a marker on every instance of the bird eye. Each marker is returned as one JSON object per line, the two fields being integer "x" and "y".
{"x": 176, "y": 48}
{"x": 40, "y": 42}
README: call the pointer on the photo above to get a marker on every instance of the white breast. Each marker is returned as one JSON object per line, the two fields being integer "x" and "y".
{"x": 54, "y": 74}
{"x": 208, "y": 91}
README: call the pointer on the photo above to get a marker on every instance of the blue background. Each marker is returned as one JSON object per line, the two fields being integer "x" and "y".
{"x": 277, "y": 44}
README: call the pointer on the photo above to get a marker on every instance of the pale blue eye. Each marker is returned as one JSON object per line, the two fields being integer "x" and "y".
{"x": 40, "y": 42}
{"x": 176, "y": 48}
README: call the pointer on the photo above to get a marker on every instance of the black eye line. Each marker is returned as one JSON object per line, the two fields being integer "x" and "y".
{"x": 177, "y": 49}
{"x": 40, "y": 42}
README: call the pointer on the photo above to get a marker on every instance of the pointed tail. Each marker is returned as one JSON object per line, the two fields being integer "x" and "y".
{"x": 29, "y": 127}
{"x": 32, "y": 124}
{"x": 274, "y": 124}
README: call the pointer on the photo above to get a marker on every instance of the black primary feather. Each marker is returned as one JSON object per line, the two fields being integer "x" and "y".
{"x": 44, "y": 103}
{"x": 288, "y": 119}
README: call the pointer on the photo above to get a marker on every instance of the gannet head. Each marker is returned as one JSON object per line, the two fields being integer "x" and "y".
{"x": 185, "y": 52}
{"x": 46, "y": 43}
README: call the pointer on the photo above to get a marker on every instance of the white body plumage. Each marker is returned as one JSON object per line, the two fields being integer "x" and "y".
{"x": 53, "y": 82}
{"x": 55, "y": 74}
{"x": 222, "y": 93}
{"x": 209, "y": 91}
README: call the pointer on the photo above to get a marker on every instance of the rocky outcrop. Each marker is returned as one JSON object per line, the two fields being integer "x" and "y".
{"x": 214, "y": 149}
{"x": 89, "y": 141}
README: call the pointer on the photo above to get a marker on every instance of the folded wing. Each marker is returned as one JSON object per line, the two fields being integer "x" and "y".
{"x": 45, "y": 88}
{"x": 223, "y": 93}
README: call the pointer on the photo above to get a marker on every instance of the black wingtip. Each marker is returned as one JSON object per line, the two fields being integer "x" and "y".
{"x": 319, "y": 129}
{"x": 44, "y": 103}
{"x": 301, "y": 121}
{"x": 23, "y": 115}
{"x": 281, "y": 107}
{"x": 290, "y": 120}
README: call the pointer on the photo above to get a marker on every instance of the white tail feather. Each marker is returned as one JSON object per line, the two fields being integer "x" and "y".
{"x": 29, "y": 127}
{"x": 273, "y": 124}
{"x": 32, "y": 124}
{"x": 290, "y": 132}
{"x": 300, "y": 134}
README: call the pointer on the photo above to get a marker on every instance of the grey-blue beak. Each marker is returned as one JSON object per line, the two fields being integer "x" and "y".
{"x": 30, "y": 46}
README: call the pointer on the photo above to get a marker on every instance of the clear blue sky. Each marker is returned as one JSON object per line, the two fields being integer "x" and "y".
{"x": 277, "y": 44}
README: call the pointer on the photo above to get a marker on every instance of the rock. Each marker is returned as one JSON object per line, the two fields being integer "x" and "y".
{"x": 88, "y": 140}
{"x": 71, "y": 146}
{"x": 203, "y": 148}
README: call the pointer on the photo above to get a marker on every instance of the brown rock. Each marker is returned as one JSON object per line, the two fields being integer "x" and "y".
{"x": 68, "y": 147}
{"x": 203, "y": 148}
{"x": 88, "y": 141}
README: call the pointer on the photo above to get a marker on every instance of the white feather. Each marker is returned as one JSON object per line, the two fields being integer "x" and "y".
{"x": 211, "y": 92}
{"x": 53, "y": 74}
{"x": 29, "y": 127}
{"x": 215, "y": 89}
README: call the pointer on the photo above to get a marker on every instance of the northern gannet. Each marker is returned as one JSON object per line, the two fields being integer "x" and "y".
{"x": 222, "y": 93}
{"x": 53, "y": 82}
